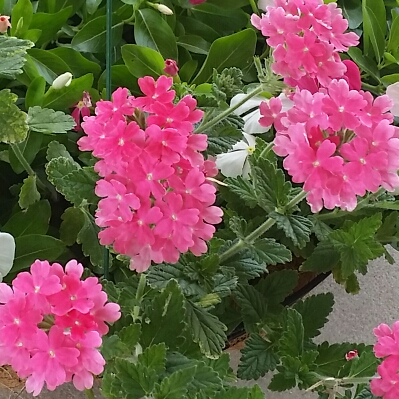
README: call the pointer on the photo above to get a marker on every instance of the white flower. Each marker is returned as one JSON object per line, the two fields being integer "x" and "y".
{"x": 61, "y": 81}
{"x": 7, "y": 253}
{"x": 235, "y": 162}
{"x": 164, "y": 9}
{"x": 393, "y": 94}
{"x": 262, "y": 4}
{"x": 250, "y": 113}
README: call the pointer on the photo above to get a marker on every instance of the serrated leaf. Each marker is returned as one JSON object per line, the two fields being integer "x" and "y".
{"x": 363, "y": 366}
{"x": 130, "y": 335}
{"x": 245, "y": 267}
{"x": 280, "y": 382}
{"x": 57, "y": 150}
{"x": 257, "y": 358}
{"x": 256, "y": 393}
{"x": 323, "y": 259}
{"x": 276, "y": 286}
{"x": 12, "y": 120}
{"x": 165, "y": 317}
{"x": 365, "y": 394}
{"x": 244, "y": 189}
{"x": 205, "y": 380}
{"x": 296, "y": 227}
{"x": 271, "y": 252}
{"x": 252, "y": 305}
{"x": 315, "y": 311}
{"x": 29, "y": 193}
{"x": 12, "y": 55}
{"x": 131, "y": 377}
{"x": 206, "y": 329}
{"x": 154, "y": 358}
{"x": 238, "y": 226}
{"x": 176, "y": 385}
{"x": 233, "y": 393}
{"x": 292, "y": 339}
{"x": 44, "y": 120}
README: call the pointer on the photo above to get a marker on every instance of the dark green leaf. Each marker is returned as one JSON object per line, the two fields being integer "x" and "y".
{"x": 130, "y": 335}
{"x": 151, "y": 30}
{"x": 364, "y": 366}
{"x": 352, "y": 10}
{"x": 194, "y": 44}
{"x": 374, "y": 27}
{"x": 365, "y": 63}
{"x": 29, "y": 193}
{"x": 73, "y": 221}
{"x": 130, "y": 378}
{"x": 323, "y": 259}
{"x": 257, "y": 358}
{"x": 291, "y": 341}
{"x": 34, "y": 94}
{"x": 280, "y": 382}
{"x": 57, "y": 150}
{"x": 271, "y": 252}
{"x": 29, "y": 149}
{"x": 235, "y": 50}
{"x": 176, "y": 385}
{"x": 154, "y": 357}
{"x": 366, "y": 394}
{"x": 244, "y": 189}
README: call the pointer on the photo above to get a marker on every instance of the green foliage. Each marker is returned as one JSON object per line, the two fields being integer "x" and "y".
{"x": 29, "y": 193}
{"x": 12, "y": 55}
{"x": 44, "y": 120}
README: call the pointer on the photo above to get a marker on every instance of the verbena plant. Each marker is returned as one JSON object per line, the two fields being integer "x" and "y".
{"x": 246, "y": 152}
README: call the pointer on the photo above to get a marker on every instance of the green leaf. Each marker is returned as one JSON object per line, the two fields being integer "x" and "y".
{"x": 206, "y": 329}
{"x": 35, "y": 246}
{"x": 142, "y": 61}
{"x": 356, "y": 244}
{"x": 92, "y": 5}
{"x": 194, "y": 44}
{"x": 277, "y": 286}
{"x": 48, "y": 65}
{"x": 29, "y": 149}
{"x": 235, "y": 50}
{"x": 151, "y": 30}
{"x": 130, "y": 377}
{"x": 49, "y": 24}
{"x": 323, "y": 259}
{"x": 48, "y": 121}
{"x": 256, "y": 393}
{"x": 130, "y": 336}
{"x": 121, "y": 77}
{"x": 34, "y": 220}
{"x": 280, "y": 382}
{"x": 92, "y": 37}
{"x": 66, "y": 97}
{"x": 374, "y": 27}
{"x": 366, "y": 394}
{"x": 393, "y": 41}
{"x": 352, "y": 10}
{"x": 244, "y": 189}
{"x": 34, "y": 94}
{"x": 78, "y": 64}
{"x": 13, "y": 121}
{"x": 257, "y": 358}
{"x": 365, "y": 63}
{"x": 314, "y": 311}
{"x": 72, "y": 223}
{"x": 364, "y": 366}
{"x": 154, "y": 357}
{"x": 165, "y": 317}
{"x": 176, "y": 385}
{"x": 75, "y": 184}
{"x": 21, "y": 17}
{"x": 245, "y": 267}
{"x": 232, "y": 393}
{"x": 271, "y": 252}
{"x": 12, "y": 55}
{"x": 29, "y": 193}
{"x": 253, "y": 306}
{"x": 296, "y": 227}
{"x": 56, "y": 150}
{"x": 291, "y": 341}
{"x": 206, "y": 379}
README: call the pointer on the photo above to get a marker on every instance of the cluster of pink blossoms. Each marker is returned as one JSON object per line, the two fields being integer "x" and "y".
{"x": 387, "y": 347}
{"x": 156, "y": 201}
{"x": 339, "y": 142}
{"x": 306, "y": 37}
{"x": 51, "y": 323}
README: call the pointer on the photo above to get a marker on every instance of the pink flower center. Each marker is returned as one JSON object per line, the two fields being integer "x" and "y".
{"x": 51, "y": 353}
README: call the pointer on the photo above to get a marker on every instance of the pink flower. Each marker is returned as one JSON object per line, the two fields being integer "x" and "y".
{"x": 388, "y": 383}
{"x": 82, "y": 109}
{"x": 171, "y": 67}
{"x": 195, "y": 2}
{"x": 4, "y": 23}
{"x": 352, "y": 75}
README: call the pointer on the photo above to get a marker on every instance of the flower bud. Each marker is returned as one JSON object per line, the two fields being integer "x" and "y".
{"x": 171, "y": 67}
{"x": 61, "y": 81}
{"x": 195, "y": 2}
{"x": 163, "y": 9}
{"x": 4, "y": 23}
{"x": 7, "y": 253}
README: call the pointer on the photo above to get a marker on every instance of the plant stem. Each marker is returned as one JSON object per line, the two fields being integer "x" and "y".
{"x": 89, "y": 393}
{"x": 228, "y": 111}
{"x": 139, "y": 295}
{"x": 250, "y": 239}
{"x": 26, "y": 165}
{"x": 254, "y": 7}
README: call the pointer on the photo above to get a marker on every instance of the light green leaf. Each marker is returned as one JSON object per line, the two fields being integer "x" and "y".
{"x": 393, "y": 42}
{"x": 56, "y": 150}
{"x": 12, "y": 55}
{"x": 45, "y": 120}
{"x": 234, "y": 50}
{"x": 296, "y": 227}
{"x": 34, "y": 94}
{"x": 206, "y": 329}
{"x": 34, "y": 246}
{"x": 257, "y": 358}
{"x": 34, "y": 220}
{"x": 151, "y": 30}
{"x": 315, "y": 311}
{"x": 291, "y": 341}
{"x": 142, "y": 61}
{"x": 21, "y": 17}
{"x": 92, "y": 5}
{"x": 29, "y": 193}
{"x": 12, "y": 120}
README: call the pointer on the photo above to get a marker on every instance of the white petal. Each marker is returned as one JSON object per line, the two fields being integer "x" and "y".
{"x": 248, "y": 105}
{"x": 287, "y": 103}
{"x": 251, "y": 123}
{"x": 62, "y": 81}
{"x": 241, "y": 145}
{"x": 7, "y": 253}
{"x": 251, "y": 140}
{"x": 246, "y": 170}
{"x": 393, "y": 94}
{"x": 231, "y": 163}
{"x": 262, "y": 4}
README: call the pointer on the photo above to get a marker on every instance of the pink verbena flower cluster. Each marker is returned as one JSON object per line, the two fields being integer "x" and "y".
{"x": 339, "y": 142}
{"x": 306, "y": 37}
{"x": 387, "y": 347}
{"x": 156, "y": 201}
{"x": 51, "y": 323}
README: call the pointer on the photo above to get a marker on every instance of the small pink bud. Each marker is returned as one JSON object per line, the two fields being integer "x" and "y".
{"x": 171, "y": 67}
{"x": 195, "y": 2}
{"x": 351, "y": 354}
{"x": 4, "y": 23}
